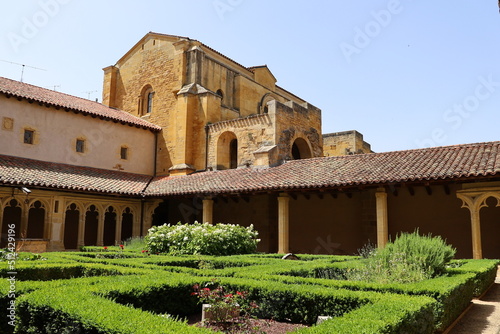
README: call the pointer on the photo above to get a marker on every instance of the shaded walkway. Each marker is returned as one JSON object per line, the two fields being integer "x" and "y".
{"x": 483, "y": 317}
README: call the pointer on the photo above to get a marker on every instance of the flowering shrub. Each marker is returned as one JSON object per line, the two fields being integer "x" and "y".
{"x": 224, "y": 306}
{"x": 207, "y": 239}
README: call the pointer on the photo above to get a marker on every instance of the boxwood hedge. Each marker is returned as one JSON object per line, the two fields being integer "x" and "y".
{"x": 87, "y": 293}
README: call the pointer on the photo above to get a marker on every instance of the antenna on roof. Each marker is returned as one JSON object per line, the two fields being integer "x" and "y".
{"x": 90, "y": 92}
{"x": 23, "y": 66}
{"x": 54, "y": 87}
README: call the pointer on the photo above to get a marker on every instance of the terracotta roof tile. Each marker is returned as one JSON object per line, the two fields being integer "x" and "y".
{"x": 422, "y": 165}
{"x": 57, "y": 99}
{"x": 439, "y": 163}
{"x": 35, "y": 173}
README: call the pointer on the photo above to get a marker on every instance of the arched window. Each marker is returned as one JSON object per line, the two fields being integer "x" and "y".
{"x": 220, "y": 93}
{"x": 71, "y": 223}
{"x": 227, "y": 151}
{"x": 11, "y": 215}
{"x": 91, "y": 224}
{"x": 36, "y": 220}
{"x": 264, "y": 109}
{"x": 127, "y": 224}
{"x": 146, "y": 100}
{"x": 109, "y": 234}
{"x": 233, "y": 153}
{"x": 300, "y": 149}
{"x": 149, "y": 105}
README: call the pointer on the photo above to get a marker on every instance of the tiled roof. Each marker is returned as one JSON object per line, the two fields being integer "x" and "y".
{"x": 430, "y": 164}
{"x": 27, "y": 172}
{"x": 60, "y": 100}
{"x": 460, "y": 162}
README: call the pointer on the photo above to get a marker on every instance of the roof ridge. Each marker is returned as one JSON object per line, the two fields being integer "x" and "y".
{"x": 452, "y": 146}
{"x": 51, "y": 91}
{"x": 64, "y": 100}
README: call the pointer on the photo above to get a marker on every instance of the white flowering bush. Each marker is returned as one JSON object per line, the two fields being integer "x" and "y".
{"x": 206, "y": 239}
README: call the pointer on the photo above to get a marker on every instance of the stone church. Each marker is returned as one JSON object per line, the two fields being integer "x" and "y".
{"x": 187, "y": 134}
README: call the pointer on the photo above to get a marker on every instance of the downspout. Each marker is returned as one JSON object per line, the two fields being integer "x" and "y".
{"x": 149, "y": 182}
{"x": 206, "y": 146}
{"x": 155, "y": 153}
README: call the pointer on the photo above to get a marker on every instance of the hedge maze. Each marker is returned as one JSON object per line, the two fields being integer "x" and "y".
{"x": 132, "y": 292}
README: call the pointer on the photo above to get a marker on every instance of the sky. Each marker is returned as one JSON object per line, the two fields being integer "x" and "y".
{"x": 405, "y": 73}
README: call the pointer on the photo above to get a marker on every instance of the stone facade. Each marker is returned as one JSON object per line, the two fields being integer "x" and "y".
{"x": 57, "y": 220}
{"x": 203, "y": 100}
{"x": 345, "y": 143}
{"x": 267, "y": 139}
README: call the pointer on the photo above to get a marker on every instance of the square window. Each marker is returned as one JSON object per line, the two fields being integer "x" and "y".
{"x": 29, "y": 136}
{"x": 124, "y": 153}
{"x": 80, "y": 145}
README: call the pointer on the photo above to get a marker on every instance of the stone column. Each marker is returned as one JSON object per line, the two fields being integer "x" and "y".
{"x": 477, "y": 248}
{"x": 54, "y": 224}
{"x": 118, "y": 229}
{"x": 283, "y": 223}
{"x": 208, "y": 210}
{"x": 81, "y": 227}
{"x": 100, "y": 228}
{"x": 24, "y": 220}
{"x": 382, "y": 218}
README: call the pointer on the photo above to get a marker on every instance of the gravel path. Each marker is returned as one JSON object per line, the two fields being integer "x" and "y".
{"x": 483, "y": 317}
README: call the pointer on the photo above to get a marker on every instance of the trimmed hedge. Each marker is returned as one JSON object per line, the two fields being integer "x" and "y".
{"x": 104, "y": 291}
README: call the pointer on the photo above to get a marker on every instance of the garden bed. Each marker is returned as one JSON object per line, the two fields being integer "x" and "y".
{"x": 95, "y": 294}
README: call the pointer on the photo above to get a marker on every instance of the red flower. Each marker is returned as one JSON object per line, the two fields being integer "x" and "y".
{"x": 143, "y": 250}
{"x": 229, "y": 295}
{"x": 206, "y": 289}
{"x": 239, "y": 293}
{"x": 121, "y": 246}
{"x": 105, "y": 248}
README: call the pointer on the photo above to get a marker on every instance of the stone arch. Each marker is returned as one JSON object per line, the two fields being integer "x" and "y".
{"x": 266, "y": 98}
{"x": 127, "y": 223}
{"x": 490, "y": 227}
{"x": 301, "y": 149}
{"x": 71, "y": 226}
{"x": 12, "y": 213}
{"x": 220, "y": 93}
{"x": 159, "y": 214}
{"x": 146, "y": 100}
{"x": 227, "y": 151}
{"x": 109, "y": 226}
{"x": 91, "y": 225}
{"x": 36, "y": 220}
{"x": 475, "y": 200}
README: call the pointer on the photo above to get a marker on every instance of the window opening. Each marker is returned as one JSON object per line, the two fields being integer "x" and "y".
{"x": 80, "y": 145}
{"x": 29, "y": 135}
{"x": 124, "y": 153}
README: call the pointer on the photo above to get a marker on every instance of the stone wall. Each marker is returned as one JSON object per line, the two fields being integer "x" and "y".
{"x": 251, "y": 132}
{"x": 195, "y": 86}
{"x": 56, "y": 132}
{"x": 295, "y": 121}
{"x": 344, "y": 143}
